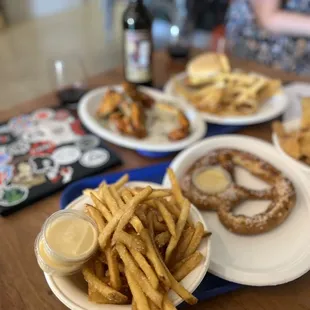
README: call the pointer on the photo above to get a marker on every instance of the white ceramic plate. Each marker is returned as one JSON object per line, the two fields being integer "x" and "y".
{"x": 157, "y": 140}
{"x": 272, "y": 258}
{"x": 271, "y": 109}
{"x": 72, "y": 290}
{"x": 290, "y": 126}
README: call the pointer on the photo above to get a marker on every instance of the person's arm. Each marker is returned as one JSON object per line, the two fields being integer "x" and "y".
{"x": 272, "y": 18}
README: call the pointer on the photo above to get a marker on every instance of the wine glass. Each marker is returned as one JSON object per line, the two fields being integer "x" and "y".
{"x": 68, "y": 76}
{"x": 181, "y": 30}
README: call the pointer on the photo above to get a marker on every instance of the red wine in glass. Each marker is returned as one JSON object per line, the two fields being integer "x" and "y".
{"x": 68, "y": 75}
{"x": 71, "y": 95}
{"x": 178, "y": 51}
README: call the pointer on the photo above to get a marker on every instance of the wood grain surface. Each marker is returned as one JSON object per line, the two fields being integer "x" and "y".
{"x": 22, "y": 284}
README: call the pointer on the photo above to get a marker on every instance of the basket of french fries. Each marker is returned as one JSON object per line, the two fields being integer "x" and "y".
{"x": 222, "y": 94}
{"x": 153, "y": 249}
{"x": 292, "y": 139}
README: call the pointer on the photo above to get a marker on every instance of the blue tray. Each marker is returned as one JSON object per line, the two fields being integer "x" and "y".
{"x": 215, "y": 129}
{"x": 211, "y": 285}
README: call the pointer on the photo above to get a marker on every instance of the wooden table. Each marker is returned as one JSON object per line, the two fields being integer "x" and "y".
{"x": 22, "y": 284}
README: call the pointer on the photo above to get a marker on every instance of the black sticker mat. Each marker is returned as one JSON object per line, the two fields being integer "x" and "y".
{"x": 43, "y": 151}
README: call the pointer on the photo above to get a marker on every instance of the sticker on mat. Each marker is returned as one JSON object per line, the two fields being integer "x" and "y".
{"x": 13, "y": 195}
{"x": 62, "y": 115}
{"x": 20, "y": 123}
{"x": 66, "y": 173}
{"x": 51, "y": 130}
{"x": 6, "y": 138}
{"x": 42, "y": 148}
{"x": 41, "y": 164}
{"x": 66, "y": 155}
{"x": 95, "y": 158}
{"x": 63, "y": 175}
{"x": 4, "y": 129}
{"x": 34, "y": 134}
{"x": 25, "y": 175}
{"x": 87, "y": 142}
{"x": 76, "y": 127}
{"x": 18, "y": 148}
{"x": 43, "y": 114}
{"x": 6, "y": 174}
{"x": 4, "y": 158}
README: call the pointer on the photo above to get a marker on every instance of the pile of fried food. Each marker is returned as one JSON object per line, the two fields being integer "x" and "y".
{"x": 147, "y": 242}
{"x": 126, "y": 112}
{"x": 211, "y": 86}
{"x": 296, "y": 143}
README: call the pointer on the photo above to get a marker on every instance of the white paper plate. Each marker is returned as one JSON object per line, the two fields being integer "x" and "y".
{"x": 290, "y": 126}
{"x": 90, "y": 103}
{"x": 271, "y": 109}
{"x": 272, "y": 258}
{"x": 72, "y": 290}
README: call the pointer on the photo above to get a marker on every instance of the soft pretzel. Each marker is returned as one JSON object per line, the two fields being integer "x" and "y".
{"x": 281, "y": 192}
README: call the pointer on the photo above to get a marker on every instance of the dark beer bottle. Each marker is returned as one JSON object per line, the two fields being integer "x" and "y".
{"x": 137, "y": 44}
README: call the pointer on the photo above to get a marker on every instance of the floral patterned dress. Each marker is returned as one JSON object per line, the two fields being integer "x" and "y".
{"x": 246, "y": 39}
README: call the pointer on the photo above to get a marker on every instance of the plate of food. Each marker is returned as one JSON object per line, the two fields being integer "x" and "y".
{"x": 140, "y": 118}
{"x": 292, "y": 138}
{"x": 227, "y": 97}
{"x": 144, "y": 249}
{"x": 252, "y": 200}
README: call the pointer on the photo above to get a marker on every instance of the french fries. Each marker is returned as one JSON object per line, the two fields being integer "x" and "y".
{"x": 162, "y": 239}
{"x": 184, "y": 242}
{"x": 96, "y": 216}
{"x": 122, "y": 217}
{"x": 137, "y": 293}
{"x": 179, "y": 228}
{"x": 144, "y": 283}
{"x": 101, "y": 206}
{"x": 130, "y": 210}
{"x": 140, "y": 230}
{"x": 190, "y": 264}
{"x": 131, "y": 241}
{"x": 227, "y": 93}
{"x": 167, "y": 218}
{"x": 154, "y": 258}
{"x": 95, "y": 296}
{"x": 146, "y": 268}
{"x": 196, "y": 239}
{"x": 296, "y": 143}
{"x": 122, "y": 181}
{"x": 105, "y": 290}
{"x": 175, "y": 188}
{"x": 113, "y": 269}
{"x": 99, "y": 270}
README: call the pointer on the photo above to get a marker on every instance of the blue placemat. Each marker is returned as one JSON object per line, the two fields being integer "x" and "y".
{"x": 214, "y": 129}
{"x": 211, "y": 285}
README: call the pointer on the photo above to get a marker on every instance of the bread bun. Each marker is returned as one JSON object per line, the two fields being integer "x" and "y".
{"x": 204, "y": 67}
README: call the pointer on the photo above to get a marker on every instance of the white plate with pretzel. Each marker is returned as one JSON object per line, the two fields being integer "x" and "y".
{"x": 143, "y": 119}
{"x": 225, "y": 96}
{"x": 258, "y": 242}
{"x": 74, "y": 292}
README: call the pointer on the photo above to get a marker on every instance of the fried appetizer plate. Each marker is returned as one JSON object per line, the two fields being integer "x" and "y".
{"x": 160, "y": 122}
{"x": 72, "y": 290}
{"x": 290, "y": 126}
{"x": 270, "y": 109}
{"x": 270, "y": 258}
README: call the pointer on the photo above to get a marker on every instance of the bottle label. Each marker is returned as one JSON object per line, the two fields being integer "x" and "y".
{"x": 138, "y": 56}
